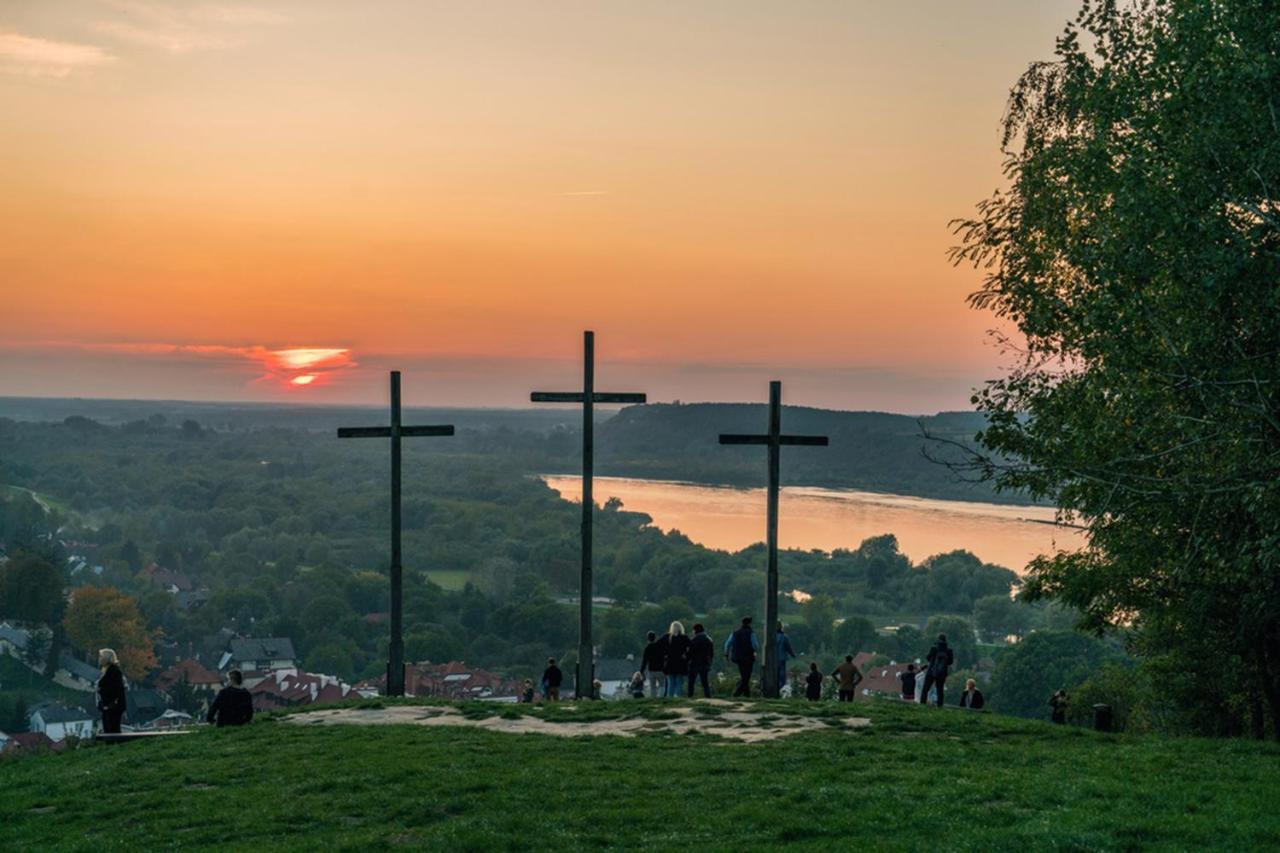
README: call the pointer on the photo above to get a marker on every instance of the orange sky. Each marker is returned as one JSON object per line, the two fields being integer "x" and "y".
{"x": 727, "y": 192}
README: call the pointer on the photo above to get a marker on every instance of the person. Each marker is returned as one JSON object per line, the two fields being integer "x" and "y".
{"x": 527, "y": 695}
{"x": 972, "y": 697}
{"x": 654, "y": 658}
{"x": 908, "y": 680}
{"x": 111, "y": 692}
{"x": 848, "y": 676}
{"x": 782, "y": 645}
{"x": 741, "y": 648}
{"x": 636, "y": 687}
{"x": 813, "y": 684}
{"x": 597, "y": 689}
{"x": 1058, "y": 702}
{"x": 676, "y": 665}
{"x": 940, "y": 660}
{"x": 701, "y": 653}
{"x": 233, "y": 706}
{"x": 551, "y": 680}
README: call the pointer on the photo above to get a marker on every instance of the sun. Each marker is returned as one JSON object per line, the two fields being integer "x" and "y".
{"x": 304, "y": 379}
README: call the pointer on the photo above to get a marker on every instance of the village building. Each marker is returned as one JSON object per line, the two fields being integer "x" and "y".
{"x": 13, "y": 640}
{"x": 26, "y": 742}
{"x": 456, "y": 680}
{"x": 58, "y": 722}
{"x": 75, "y": 674}
{"x": 254, "y": 655}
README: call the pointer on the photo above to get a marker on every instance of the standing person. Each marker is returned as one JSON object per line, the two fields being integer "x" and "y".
{"x": 551, "y": 680}
{"x": 111, "y": 695}
{"x": 654, "y": 659}
{"x": 972, "y": 697}
{"x": 1058, "y": 702}
{"x": 782, "y": 645}
{"x": 741, "y": 648}
{"x": 233, "y": 706}
{"x": 848, "y": 677}
{"x": 908, "y": 680}
{"x": 677, "y": 663}
{"x": 813, "y": 683}
{"x": 701, "y": 653}
{"x": 940, "y": 660}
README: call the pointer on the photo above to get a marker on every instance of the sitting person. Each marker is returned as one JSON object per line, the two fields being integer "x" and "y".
{"x": 908, "y": 680}
{"x": 233, "y": 706}
{"x": 971, "y": 698}
{"x": 526, "y": 695}
{"x": 637, "y": 686}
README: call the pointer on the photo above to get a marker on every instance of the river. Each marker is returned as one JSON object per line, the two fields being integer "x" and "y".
{"x": 731, "y": 519}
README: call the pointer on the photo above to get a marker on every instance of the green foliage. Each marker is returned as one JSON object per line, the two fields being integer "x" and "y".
{"x": 1137, "y": 251}
{"x": 31, "y": 589}
{"x": 960, "y": 638}
{"x": 999, "y": 616}
{"x": 1029, "y": 672}
{"x": 856, "y": 634}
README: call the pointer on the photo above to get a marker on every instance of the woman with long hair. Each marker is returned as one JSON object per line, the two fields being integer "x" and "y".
{"x": 111, "y": 697}
{"x": 677, "y": 663}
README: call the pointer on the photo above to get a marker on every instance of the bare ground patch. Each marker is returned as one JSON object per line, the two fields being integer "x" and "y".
{"x": 734, "y": 722}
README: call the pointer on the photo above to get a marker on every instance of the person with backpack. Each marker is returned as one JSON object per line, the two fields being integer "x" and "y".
{"x": 701, "y": 654}
{"x": 552, "y": 677}
{"x": 741, "y": 648}
{"x": 677, "y": 663}
{"x": 972, "y": 697}
{"x": 813, "y": 683}
{"x": 941, "y": 659}
{"x": 652, "y": 663}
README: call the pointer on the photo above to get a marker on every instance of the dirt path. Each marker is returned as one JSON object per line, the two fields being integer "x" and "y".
{"x": 730, "y": 721}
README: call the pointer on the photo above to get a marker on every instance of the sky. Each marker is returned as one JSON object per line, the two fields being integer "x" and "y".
{"x": 282, "y": 201}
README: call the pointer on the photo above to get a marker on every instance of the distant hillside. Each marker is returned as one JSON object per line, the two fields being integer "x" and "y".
{"x": 912, "y": 779}
{"x": 871, "y": 451}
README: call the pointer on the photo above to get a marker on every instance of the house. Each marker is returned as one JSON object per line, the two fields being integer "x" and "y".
{"x": 4, "y": 741}
{"x": 456, "y": 680}
{"x": 882, "y": 680}
{"x": 76, "y": 674}
{"x": 58, "y": 722}
{"x": 170, "y": 582}
{"x": 143, "y": 705}
{"x": 26, "y": 742}
{"x": 248, "y": 654}
{"x": 283, "y": 688}
{"x": 13, "y": 641}
{"x": 192, "y": 672}
{"x": 171, "y": 719}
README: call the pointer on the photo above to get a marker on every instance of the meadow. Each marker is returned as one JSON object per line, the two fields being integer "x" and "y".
{"x": 914, "y": 778}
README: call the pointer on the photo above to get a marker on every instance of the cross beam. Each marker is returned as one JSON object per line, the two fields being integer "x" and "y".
{"x": 395, "y": 432}
{"x": 588, "y": 396}
{"x": 774, "y": 440}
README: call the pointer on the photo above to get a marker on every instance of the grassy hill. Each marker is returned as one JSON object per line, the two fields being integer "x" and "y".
{"x": 914, "y": 778}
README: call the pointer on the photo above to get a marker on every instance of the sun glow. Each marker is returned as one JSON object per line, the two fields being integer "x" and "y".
{"x": 304, "y": 379}
{"x": 298, "y": 359}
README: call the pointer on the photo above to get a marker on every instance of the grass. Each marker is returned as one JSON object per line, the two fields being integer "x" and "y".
{"x": 451, "y": 579}
{"x": 916, "y": 778}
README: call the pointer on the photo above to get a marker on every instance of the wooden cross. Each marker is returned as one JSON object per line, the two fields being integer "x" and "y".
{"x": 585, "y": 673}
{"x": 774, "y": 439}
{"x": 395, "y": 663}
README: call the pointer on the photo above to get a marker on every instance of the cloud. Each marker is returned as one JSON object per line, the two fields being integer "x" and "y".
{"x": 37, "y": 57}
{"x": 184, "y": 27}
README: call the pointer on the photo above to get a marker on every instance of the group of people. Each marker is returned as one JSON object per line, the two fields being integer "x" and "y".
{"x": 233, "y": 706}
{"x": 676, "y": 663}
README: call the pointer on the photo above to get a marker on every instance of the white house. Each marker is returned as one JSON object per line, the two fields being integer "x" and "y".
{"x": 13, "y": 641}
{"x": 251, "y": 655}
{"x": 58, "y": 722}
{"x": 75, "y": 674}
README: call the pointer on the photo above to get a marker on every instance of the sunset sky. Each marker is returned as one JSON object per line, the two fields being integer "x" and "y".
{"x": 280, "y": 201}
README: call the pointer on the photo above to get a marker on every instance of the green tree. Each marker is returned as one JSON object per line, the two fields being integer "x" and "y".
{"x": 856, "y": 634}
{"x": 960, "y": 638}
{"x": 819, "y": 613}
{"x": 30, "y": 589}
{"x": 1136, "y": 252}
{"x": 1028, "y": 672}
{"x": 999, "y": 616}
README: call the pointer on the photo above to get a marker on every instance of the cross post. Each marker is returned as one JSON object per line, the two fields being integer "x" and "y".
{"x": 395, "y": 652}
{"x": 774, "y": 439}
{"x": 585, "y": 673}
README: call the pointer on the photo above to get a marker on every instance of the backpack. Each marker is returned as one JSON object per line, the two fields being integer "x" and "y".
{"x": 942, "y": 660}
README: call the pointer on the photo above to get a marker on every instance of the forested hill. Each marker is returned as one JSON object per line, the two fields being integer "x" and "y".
{"x": 871, "y": 451}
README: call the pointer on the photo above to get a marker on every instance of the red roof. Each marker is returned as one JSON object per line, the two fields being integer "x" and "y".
{"x": 195, "y": 674}
{"x": 28, "y": 740}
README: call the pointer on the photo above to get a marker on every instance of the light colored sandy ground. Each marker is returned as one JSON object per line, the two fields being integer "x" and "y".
{"x": 733, "y": 722}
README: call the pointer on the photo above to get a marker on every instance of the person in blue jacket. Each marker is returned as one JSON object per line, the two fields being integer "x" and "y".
{"x": 741, "y": 648}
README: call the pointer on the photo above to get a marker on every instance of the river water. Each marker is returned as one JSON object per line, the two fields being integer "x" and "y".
{"x": 731, "y": 519}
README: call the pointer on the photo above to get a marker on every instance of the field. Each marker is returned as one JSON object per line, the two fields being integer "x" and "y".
{"x": 914, "y": 778}
{"x": 449, "y": 579}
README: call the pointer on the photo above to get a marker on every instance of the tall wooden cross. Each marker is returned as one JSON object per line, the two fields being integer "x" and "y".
{"x": 395, "y": 654}
{"x": 774, "y": 439}
{"x": 585, "y": 673}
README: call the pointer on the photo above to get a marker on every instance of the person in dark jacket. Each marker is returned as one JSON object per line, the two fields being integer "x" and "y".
{"x": 1058, "y": 702}
{"x": 655, "y": 656}
{"x": 908, "y": 680}
{"x": 940, "y": 660}
{"x": 111, "y": 693}
{"x": 552, "y": 677}
{"x": 813, "y": 684}
{"x": 972, "y": 697}
{"x": 783, "y": 649}
{"x": 233, "y": 706}
{"x": 741, "y": 648}
{"x": 677, "y": 662}
{"x": 701, "y": 653}
{"x": 848, "y": 677}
